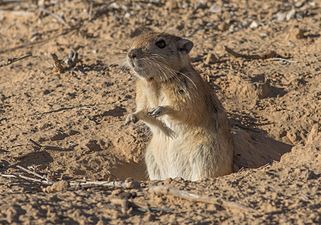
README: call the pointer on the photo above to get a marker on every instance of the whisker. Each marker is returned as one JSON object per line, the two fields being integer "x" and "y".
{"x": 174, "y": 76}
{"x": 175, "y": 73}
{"x": 160, "y": 69}
{"x": 166, "y": 73}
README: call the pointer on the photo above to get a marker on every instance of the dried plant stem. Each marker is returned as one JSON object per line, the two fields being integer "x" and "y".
{"x": 229, "y": 205}
{"x": 17, "y": 176}
{"x": 13, "y": 60}
{"x": 269, "y": 55}
{"x": 112, "y": 184}
{"x": 73, "y": 184}
{"x": 32, "y": 172}
{"x": 55, "y": 16}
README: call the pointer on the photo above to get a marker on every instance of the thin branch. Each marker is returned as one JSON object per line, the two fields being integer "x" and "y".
{"x": 9, "y": 1}
{"x": 64, "y": 32}
{"x": 32, "y": 172}
{"x": 66, "y": 108}
{"x": 57, "y": 63}
{"x": 17, "y": 176}
{"x": 8, "y": 175}
{"x": 17, "y": 12}
{"x": 112, "y": 184}
{"x": 73, "y": 184}
{"x": 36, "y": 144}
{"x": 166, "y": 190}
{"x": 42, "y": 179}
{"x": 13, "y": 60}
{"x": 55, "y": 16}
{"x": 269, "y": 55}
{"x": 282, "y": 60}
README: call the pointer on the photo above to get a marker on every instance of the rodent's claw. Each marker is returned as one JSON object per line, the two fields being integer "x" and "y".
{"x": 131, "y": 118}
{"x": 156, "y": 112}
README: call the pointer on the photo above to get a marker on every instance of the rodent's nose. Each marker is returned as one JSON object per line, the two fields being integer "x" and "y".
{"x": 134, "y": 53}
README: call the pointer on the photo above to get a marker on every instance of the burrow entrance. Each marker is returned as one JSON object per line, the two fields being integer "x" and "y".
{"x": 253, "y": 149}
{"x": 131, "y": 169}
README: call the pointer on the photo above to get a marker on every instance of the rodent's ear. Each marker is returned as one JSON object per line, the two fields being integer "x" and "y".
{"x": 185, "y": 45}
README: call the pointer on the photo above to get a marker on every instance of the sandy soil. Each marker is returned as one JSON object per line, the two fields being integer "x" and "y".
{"x": 67, "y": 125}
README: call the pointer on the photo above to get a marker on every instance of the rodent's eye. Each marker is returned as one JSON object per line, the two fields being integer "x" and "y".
{"x": 161, "y": 43}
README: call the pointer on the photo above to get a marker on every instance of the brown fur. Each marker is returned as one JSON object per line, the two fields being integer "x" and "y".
{"x": 191, "y": 135}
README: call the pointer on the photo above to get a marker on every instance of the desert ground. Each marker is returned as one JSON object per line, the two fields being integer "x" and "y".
{"x": 66, "y": 156}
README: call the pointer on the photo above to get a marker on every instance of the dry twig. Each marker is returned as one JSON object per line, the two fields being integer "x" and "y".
{"x": 13, "y": 60}
{"x": 17, "y": 176}
{"x": 111, "y": 184}
{"x": 73, "y": 184}
{"x": 31, "y": 172}
{"x": 64, "y": 32}
{"x": 67, "y": 108}
{"x": 89, "y": 8}
{"x": 9, "y": 1}
{"x": 57, "y": 63}
{"x": 67, "y": 64}
{"x": 232, "y": 206}
{"x": 55, "y": 16}
{"x": 17, "y": 12}
{"x": 40, "y": 179}
{"x": 72, "y": 59}
{"x": 36, "y": 144}
{"x": 269, "y": 55}
{"x": 282, "y": 60}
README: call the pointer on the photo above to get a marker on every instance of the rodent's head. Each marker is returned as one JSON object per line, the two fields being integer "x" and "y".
{"x": 159, "y": 56}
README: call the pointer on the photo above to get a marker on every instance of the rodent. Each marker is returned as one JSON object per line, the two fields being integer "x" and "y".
{"x": 191, "y": 135}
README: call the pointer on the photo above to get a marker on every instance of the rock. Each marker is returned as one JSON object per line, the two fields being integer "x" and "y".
{"x": 299, "y": 4}
{"x": 280, "y": 16}
{"x": 56, "y": 187}
{"x": 215, "y": 9}
{"x": 290, "y": 14}
{"x": 254, "y": 25}
{"x": 114, "y": 5}
{"x": 223, "y": 26}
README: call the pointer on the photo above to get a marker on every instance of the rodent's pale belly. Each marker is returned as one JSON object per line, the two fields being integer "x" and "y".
{"x": 170, "y": 155}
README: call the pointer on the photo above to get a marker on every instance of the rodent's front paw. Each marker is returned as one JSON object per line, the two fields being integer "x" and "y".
{"x": 131, "y": 118}
{"x": 156, "y": 112}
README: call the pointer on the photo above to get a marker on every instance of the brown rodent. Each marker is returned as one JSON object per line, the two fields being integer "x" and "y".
{"x": 191, "y": 134}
